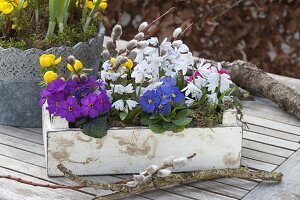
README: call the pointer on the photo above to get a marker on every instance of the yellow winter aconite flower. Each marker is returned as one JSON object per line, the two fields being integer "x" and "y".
{"x": 103, "y": 5}
{"x": 47, "y": 60}
{"x": 5, "y": 7}
{"x": 89, "y": 4}
{"x": 128, "y": 64}
{"x": 50, "y": 76}
{"x": 77, "y": 66}
{"x": 16, "y": 3}
{"x": 112, "y": 61}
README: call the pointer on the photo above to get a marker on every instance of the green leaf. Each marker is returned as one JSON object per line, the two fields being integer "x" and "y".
{"x": 182, "y": 121}
{"x": 154, "y": 116}
{"x": 123, "y": 115}
{"x": 96, "y": 128}
{"x": 169, "y": 126}
{"x": 157, "y": 128}
{"x": 184, "y": 113}
{"x": 178, "y": 129}
{"x": 145, "y": 120}
{"x": 167, "y": 119}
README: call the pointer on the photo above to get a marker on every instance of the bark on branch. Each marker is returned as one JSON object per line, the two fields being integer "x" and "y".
{"x": 256, "y": 81}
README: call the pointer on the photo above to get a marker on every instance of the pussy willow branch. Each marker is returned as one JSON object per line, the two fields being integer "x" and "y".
{"x": 155, "y": 173}
{"x": 52, "y": 186}
{"x": 158, "y": 182}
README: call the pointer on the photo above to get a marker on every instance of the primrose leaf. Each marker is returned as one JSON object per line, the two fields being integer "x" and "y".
{"x": 157, "y": 128}
{"x": 184, "y": 113}
{"x": 178, "y": 129}
{"x": 169, "y": 126}
{"x": 96, "y": 128}
{"x": 182, "y": 121}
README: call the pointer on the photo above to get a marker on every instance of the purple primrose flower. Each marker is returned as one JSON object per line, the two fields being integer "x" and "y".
{"x": 69, "y": 109}
{"x": 104, "y": 102}
{"x": 90, "y": 105}
{"x": 54, "y": 101}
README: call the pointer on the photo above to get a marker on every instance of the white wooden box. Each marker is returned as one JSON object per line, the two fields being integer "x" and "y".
{"x": 132, "y": 150}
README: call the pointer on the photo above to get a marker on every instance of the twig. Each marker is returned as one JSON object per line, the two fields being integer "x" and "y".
{"x": 151, "y": 23}
{"x": 52, "y": 186}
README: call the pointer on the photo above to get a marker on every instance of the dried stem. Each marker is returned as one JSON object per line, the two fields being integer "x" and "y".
{"x": 54, "y": 186}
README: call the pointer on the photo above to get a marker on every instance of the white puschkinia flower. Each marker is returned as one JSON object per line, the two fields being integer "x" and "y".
{"x": 153, "y": 41}
{"x": 180, "y": 162}
{"x": 168, "y": 160}
{"x": 120, "y": 89}
{"x": 152, "y": 169}
{"x": 227, "y": 98}
{"x": 193, "y": 90}
{"x": 118, "y": 105}
{"x": 176, "y": 32}
{"x": 164, "y": 173}
{"x": 212, "y": 98}
{"x": 189, "y": 101}
{"x": 131, "y": 104}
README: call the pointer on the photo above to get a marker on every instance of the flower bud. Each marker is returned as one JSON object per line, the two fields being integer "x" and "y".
{"x": 105, "y": 55}
{"x": 142, "y": 44}
{"x": 132, "y": 55}
{"x": 152, "y": 169}
{"x": 110, "y": 45}
{"x": 83, "y": 77}
{"x": 117, "y": 30}
{"x": 131, "y": 184}
{"x": 177, "y": 43}
{"x": 168, "y": 160}
{"x": 131, "y": 44}
{"x": 177, "y": 32}
{"x": 75, "y": 78}
{"x": 143, "y": 26}
{"x": 120, "y": 60}
{"x": 163, "y": 173}
{"x": 139, "y": 178}
{"x": 71, "y": 60}
{"x": 114, "y": 53}
{"x": 139, "y": 36}
{"x": 179, "y": 162}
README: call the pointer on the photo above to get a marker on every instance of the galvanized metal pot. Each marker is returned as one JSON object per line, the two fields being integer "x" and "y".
{"x": 20, "y": 75}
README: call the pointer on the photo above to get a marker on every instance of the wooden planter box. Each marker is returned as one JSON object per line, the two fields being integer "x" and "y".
{"x": 132, "y": 150}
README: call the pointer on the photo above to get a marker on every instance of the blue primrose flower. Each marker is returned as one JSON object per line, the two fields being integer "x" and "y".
{"x": 82, "y": 92}
{"x": 164, "y": 92}
{"x": 167, "y": 80}
{"x": 176, "y": 95}
{"x": 163, "y": 108}
{"x": 149, "y": 100}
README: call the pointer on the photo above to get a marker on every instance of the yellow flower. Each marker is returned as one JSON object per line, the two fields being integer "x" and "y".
{"x": 16, "y": 3}
{"x": 50, "y": 76}
{"x": 103, "y": 5}
{"x": 47, "y": 60}
{"x": 89, "y": 4}
{"x": 128, "y": 64}
{"x": 6, "y": 8}
{"x": 112, "y": 61}
{"x": 78, "y": 66}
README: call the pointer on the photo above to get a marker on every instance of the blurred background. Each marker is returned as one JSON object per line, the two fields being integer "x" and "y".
{"x": 264, "y": 32}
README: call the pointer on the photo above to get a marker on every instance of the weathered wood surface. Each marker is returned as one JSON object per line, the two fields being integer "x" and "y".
{"x": 271, "y": 143}
{"x": 132, "y": 149}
